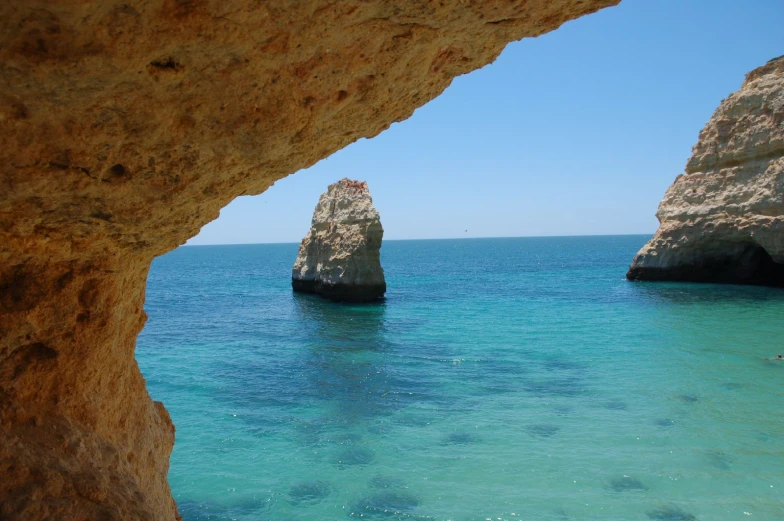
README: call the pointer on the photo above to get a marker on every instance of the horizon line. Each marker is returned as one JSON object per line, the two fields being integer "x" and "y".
{"x": 439, "y": 239}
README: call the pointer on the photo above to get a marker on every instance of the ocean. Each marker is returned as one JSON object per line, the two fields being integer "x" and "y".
{"x": 501, "y": 379}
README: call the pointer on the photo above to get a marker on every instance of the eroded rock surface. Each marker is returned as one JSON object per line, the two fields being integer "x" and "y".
{"x": 340, "y": 257}
{"x": 124, "y": 128}
{"x": 723, "y": 219}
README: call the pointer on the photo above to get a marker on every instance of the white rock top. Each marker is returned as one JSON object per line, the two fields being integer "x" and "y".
{"x": 339, "y": 258}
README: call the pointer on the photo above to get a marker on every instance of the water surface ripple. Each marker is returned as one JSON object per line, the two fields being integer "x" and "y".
{"x": 501, "y": 379}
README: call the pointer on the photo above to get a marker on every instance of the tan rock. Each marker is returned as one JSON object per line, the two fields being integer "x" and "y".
{"x": 124, "y": 128}
{"x": 340, "y": 257}
{"x": 723, "y": 219}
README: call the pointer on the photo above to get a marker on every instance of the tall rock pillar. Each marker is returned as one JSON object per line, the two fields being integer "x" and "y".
{"x": 339, "y": 258}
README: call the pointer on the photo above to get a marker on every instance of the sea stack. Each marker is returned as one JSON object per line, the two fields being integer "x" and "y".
{"x": 339, "y": 258}
{"x": 723, "y": 219}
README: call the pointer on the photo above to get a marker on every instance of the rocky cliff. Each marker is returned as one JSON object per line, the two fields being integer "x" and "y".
{"x": 723, "y": 219}
{"x": 124, "y": 128}
{"x": 340, "y": 257}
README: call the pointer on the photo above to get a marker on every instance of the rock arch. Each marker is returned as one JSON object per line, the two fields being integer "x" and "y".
{"x": 125, "y": 127}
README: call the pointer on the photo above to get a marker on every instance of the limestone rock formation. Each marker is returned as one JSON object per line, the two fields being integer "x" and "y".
{"x": 723, "y": 219}
{"x": 340, "y": 257}
{"x": 124, "y": 128}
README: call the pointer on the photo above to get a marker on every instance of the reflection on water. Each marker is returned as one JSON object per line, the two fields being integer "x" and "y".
{"x": 699, "y": 294}
{"x": 350, "y": 363}
{"x": 341, "y": 326}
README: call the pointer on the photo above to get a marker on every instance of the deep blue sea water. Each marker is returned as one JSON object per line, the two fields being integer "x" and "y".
{"x": 502, "y": 379}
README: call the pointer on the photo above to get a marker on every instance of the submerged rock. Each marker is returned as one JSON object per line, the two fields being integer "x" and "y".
{"x": 626, "y": 484}
{"x": 688, "y": 398}
{"x": 719, "y": 459}
{"x": 543, "y": 430}
{"x": 723, "y": 219}
{"x": 386, "y": 504}
{"x": 460, "y": 438}
{"x": 616, "y": 405}
{"x": 664, "y": 423}
{"x": 339, "y": 258}
{"x": 387, "y": 482}
{"x": 309, "y": 491}
{"x": 355, "y": 456}
{"x": 671, "y": 513}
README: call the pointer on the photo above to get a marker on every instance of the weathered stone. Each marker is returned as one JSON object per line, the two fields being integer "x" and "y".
{"x": 124, "y": 128}
{"x": 723, "y": 219}
{"x": 340, "y": 257}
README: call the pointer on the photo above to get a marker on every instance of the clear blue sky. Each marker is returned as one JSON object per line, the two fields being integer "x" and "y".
{"x": 578, "y": 132}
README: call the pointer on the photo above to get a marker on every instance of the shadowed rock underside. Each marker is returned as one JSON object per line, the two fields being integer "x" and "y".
{"x": 723, "y": 219}
{"x": 341, "y": 292}
{"x": 340, "y": 259}
{"x": 124, "y": 128}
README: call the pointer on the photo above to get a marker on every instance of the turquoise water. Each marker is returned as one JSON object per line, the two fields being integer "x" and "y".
{"x": 502, "y": 379}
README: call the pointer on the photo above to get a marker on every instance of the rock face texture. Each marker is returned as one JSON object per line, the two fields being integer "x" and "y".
{"x": 723, "y": 219}
{"x": 124, "y": 128}
{"x": 340, "y": 257}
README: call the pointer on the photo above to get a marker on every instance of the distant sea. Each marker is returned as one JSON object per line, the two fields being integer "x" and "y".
{"x": 501, "y": 379}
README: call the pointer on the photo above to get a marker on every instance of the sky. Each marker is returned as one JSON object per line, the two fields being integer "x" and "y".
{"x": 577, "y": 132}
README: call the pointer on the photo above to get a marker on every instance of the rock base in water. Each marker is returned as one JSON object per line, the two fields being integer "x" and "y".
{"x": 341, "y": 292}
{"x": 752, "y": 267}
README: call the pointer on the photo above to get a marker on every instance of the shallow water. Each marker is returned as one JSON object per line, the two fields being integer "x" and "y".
{"x": 501, "y": 379}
